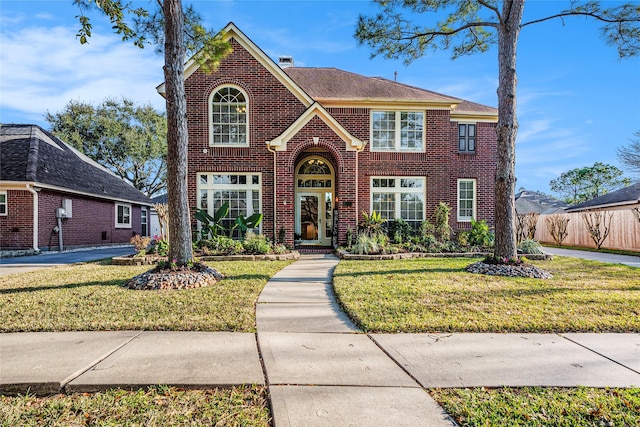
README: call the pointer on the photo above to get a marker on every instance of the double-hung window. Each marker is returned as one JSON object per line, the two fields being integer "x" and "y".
{"x": 228, "y": 121}
{"x": 397, "y": 130}
{"x": 123, "y": 215}
{"x": 242, "y": 191}
{"x": 466, "y": 200}
{"x": 3, "y": 203}
{"x": 467, "y": 137}
{"x": 399, "y": 197}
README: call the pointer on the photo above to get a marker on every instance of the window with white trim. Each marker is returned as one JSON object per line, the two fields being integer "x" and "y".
{"x": 399, "y": 197}
{"x": 144, "y": 221}
{"x": 467, "y": 137}
{"x": 397, "y": 130}
{"x": 3, "y": 203}
{"x": 466, "y": 200}
{"x": 228, "y": 122}
{"x": 123, "y": 215}
{"x": 243, "y": 192}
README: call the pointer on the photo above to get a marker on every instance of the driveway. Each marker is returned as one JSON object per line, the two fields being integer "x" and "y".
{"x": 633, "y": 261}
{"x": 46, "y": 260}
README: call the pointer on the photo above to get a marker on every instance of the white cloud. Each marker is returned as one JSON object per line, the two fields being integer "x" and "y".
{"x": 44, "y": 68}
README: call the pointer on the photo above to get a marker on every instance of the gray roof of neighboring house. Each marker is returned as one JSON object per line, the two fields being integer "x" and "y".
{"x": 28, "y": 153}
{"x": 338, "y": 84}
{"x": 537, "y": 202}
{"x": 162, "y": 198}
{"x": 625, "y": 196}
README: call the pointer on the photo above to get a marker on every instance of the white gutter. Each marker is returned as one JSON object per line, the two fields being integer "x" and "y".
{"x": 34, "y": 241}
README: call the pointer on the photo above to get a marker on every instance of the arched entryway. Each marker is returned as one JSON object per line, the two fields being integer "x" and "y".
{"x": 314, "y": 201}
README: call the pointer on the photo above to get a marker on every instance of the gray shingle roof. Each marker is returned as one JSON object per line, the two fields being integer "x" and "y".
{"x": 30, "y": 154}
{"x": 537, "y": 202}
{"x": 625, "y": 196}
{"x": 328, "y": 83}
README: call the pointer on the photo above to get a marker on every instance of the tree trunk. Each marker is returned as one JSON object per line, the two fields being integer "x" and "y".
{"x": 508, "y": 31}
{"x": 180, "y": 248}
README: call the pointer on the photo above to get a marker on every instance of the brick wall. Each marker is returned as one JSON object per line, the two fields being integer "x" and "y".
{"x": 16, "y": 228}
{"x": 92, "y": 221}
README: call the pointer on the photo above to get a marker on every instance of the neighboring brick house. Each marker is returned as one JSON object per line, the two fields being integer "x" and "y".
{"x": 42, "y": 178}
{"x": 312, "y": 148}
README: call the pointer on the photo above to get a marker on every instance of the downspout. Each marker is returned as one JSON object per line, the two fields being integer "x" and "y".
{"x": 34, "y": 240}
{"x": 275, "y": 187}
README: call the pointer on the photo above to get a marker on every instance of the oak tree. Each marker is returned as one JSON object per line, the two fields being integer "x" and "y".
{"x": 407, "y": 28}
{"x": 128, "y": 139}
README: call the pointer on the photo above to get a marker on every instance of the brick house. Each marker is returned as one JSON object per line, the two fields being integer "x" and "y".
{"x": 50, "y": 192}
{"x": 312, "y": 148}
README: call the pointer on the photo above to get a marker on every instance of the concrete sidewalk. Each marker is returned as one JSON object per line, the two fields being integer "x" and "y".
{"x": 319, "y": 369}
{"x": 633, "y": 261}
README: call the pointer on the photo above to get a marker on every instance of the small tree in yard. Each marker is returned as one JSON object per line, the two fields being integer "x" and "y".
{"x": 473, "y": 26}
{"x": 526, "y": 225}
{"x": 557, "y": 226}
{"x": 598, "y": 224}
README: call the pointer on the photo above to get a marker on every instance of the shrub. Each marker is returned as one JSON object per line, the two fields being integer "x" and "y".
{"x": 442, "y": 227}
{"x": 462, "y": 238}
{"x": 530, "y": 247}
{"x": 480, "y": 235}
{"x": 366, "y": 245}
{"x": 159, "y": 246}
{"x": 140, "y": 243}
{"x": 426, "y": 229}
{"x": 282, "y": 235}
{"x": 349, "y": 237}
{"x": 221, "y": 245}
{"x": 399, "y": 230}
{"x": 372, "y": 224}
{"x": 256, "y": 243}
{"x": 279, "y": 249}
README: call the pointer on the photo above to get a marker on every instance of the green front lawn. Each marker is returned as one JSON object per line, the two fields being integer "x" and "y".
{"x": 89, "y": 297}
{"x": 535, "y": 406}
{"x": 437, "y": 295}
{"x": 156, "y": 406}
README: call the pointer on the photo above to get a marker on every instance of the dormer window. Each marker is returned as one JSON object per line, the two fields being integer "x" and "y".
{"x": 228, "y": 117}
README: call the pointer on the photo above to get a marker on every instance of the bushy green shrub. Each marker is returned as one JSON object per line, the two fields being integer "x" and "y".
{"x": 159, "y": 247}
{"x": 279, "y": 249}
{"x": 220, "y": 245}
{"x": 462, "y": 238}
{"x": 480, "y": 235}
{"x": 442, "y": 228}
{"x": 399, "y": 230}
{"x": 530, "y": 247}
{"x": 366, "y": 245}
{"x": 256, "y": 243}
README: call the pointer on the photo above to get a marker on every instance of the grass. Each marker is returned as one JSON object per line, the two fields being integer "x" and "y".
{"x": 89, "y": 297}
{"x": 156, "y": 406}
{"x": 437, "y": 295}
{"x": 534, "y": 406}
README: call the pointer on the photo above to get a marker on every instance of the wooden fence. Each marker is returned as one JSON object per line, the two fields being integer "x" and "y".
{"x": 624, "y": 234}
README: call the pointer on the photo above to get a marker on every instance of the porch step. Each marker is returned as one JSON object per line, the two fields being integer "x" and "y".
{"x": 314, "y": 249}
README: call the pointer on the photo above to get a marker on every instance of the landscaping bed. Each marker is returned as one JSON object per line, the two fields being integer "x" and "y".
{"x": 154, "y": 259}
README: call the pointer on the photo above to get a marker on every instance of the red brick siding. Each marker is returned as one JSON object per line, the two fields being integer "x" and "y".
{"x": 16, "y": 228}
{"x": 90, "y": 218}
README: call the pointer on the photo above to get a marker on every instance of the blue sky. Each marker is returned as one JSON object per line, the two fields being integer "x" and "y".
{"x": 577, "y": 102}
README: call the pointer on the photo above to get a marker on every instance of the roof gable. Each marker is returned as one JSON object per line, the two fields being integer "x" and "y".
{"x": 30, "y": 154}
{"x": 280, "y": 142}
{"x": 232, "y": 32}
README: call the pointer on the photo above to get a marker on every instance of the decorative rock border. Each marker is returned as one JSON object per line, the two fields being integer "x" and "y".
{"x": 153, "y": 259}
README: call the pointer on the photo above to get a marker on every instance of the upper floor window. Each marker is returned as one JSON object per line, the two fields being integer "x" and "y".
{"x": 228, "y": 117}
{"x": 467, "y": 137}
{"x": 397, "y": 130}
{"x": 3, "y": 203}
{"x": 123, "y": 215}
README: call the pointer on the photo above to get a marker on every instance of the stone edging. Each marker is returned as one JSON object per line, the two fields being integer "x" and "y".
{"x": 408, "y": 255}
{"x": 150, "y": 259}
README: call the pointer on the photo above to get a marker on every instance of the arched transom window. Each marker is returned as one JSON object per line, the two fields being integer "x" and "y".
{"x": 315, "y": 172}
{"x": 228, "y": 117}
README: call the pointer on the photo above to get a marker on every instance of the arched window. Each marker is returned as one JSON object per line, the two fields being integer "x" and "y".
{"x": 228, "y": 117}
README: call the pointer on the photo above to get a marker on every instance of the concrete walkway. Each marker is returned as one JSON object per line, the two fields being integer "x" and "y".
{"x": 319, "y": 369}
{"x": 633, "y": 261}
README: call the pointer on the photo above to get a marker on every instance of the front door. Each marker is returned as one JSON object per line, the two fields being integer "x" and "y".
{"x": 314, "y": 201}
{"x": 314, "y": 217}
